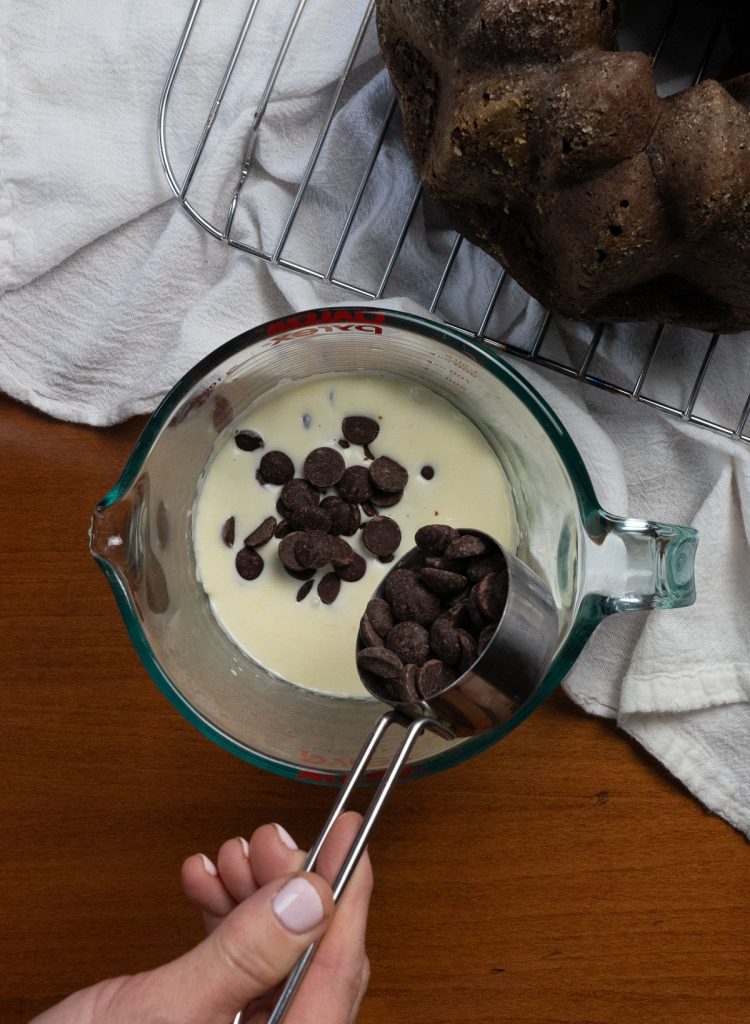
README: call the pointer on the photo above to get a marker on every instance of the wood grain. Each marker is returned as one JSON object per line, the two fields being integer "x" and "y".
{"x": 560, "y": 878}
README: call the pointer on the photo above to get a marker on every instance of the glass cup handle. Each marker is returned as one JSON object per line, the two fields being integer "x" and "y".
{"x": 653, "y": 563}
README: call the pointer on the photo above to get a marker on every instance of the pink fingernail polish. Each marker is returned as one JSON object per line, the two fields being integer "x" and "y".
{"x": 285, "y": 837}
{"x": 245, "y": 846}
{"x": 209, "y": 866}
{"x": 298, "y": 906}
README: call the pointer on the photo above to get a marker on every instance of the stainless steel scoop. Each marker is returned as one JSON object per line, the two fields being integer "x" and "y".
{"x": 503, "y": 677}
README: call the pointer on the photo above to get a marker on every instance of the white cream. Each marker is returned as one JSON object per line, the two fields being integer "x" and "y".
{"x": 310, "y": 643}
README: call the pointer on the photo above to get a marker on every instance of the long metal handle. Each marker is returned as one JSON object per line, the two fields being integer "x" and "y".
{"x": 414, "y": 729}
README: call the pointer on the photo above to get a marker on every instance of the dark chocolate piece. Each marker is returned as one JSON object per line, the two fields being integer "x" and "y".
{"x": 379, "y": 613}
{"x": 227, "y": 532}
{"x": 249, "y": 563}
{"x": 410, "y": 641}
{"x": 261, "y": 534}
{"x": 329, "y": 587}
{"x": 276, "y": 468}
{"x": 380, "y": 662}
{"x": 435, "y": 537}
{"x": 387, "y": 475}
{"x": 324, "y": 467}
{"x": 354, "y": 486}
{"x": 248, "y": 440}
{"x": 382, "y": 536}
{"x": 442, "y": 581}
{"x": 354, "y": 571}
{"x": 360, "y": 429}
{"x": 312, "y": 549}
{"x": 298, "y": 492}
{"x": 466, "y": 546}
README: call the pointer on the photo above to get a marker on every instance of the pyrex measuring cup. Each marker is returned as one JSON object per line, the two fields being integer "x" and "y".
{"x": 594, "y": 563}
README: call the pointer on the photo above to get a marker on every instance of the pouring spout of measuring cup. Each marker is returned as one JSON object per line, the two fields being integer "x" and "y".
{"x": 516, "y": 607}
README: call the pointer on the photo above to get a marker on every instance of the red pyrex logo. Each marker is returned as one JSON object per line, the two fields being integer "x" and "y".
{"x": 301, "y": 325}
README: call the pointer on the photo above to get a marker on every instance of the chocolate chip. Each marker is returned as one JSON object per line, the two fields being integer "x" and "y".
{"x": 283, "y": 511}
{"x": 475, "y": 612}
{"x": 345, "y": 518}
{"x": 427, "y": 472}
{"x": 312, "y": 549}
{"x": 435, "y": 537}
{"x": 458, "y": 613}
{"x": 410, "y": 641}
{"x": 249, "y": 440}
{"x": 444, "y": 640}
{"x": 445, "y": 564}
{"x": 359, "y": 429}
{"x": 405, "y": 688}
{"x": 385, "y": 559}
{"x": 283, "y": 529}
{"x": 342, "y": 553}
{"x": 343, "y": 443}
{"x": 368, "y": 635}
{"x": 379, "y": 613}
{"x": 275, "y": 468}
{"x": 286, "y": 552}
{"x": 380, "y": 662}
{"x": 227, "y": 532}
{"x": 300, "y": 574}
{"x": 382, "y": 500}
{"x": 409, "y": 599}
{"x": 368, "y": 453}
{"x": 304, "y": 590}
{"x": 387, "y": 475}
{"x": 329, "y": 587}
{"x": 354, "y": 485}
{"x": 354, "y": 571}
{"x": 468, "y": 650}
{"x": 369, "y": 509}
{"x": 298, "y": 492}
{"x": 324, "y": 467}
{"x": 442, "y": 581}
{"x": 434, "y": 676}
{"x": 466, "y": 546}
{"x": 249, "y": 564}
{"x": 382, "y": 536}
{"x": 480, "y": 567}
{"x": 491, "y": 594}
{"x": 261, "y": 534}
{"x": 312, "y": 517}
{"x": 485, "y": 636}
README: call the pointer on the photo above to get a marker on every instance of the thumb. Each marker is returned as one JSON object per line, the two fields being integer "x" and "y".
{"x": 253, "y": 949}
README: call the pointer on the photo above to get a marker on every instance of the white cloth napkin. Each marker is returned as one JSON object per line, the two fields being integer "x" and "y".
{"x": 110, "y": 293}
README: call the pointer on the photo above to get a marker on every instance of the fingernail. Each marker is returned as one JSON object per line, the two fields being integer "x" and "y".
{"x": 245, "y": 846}
{"x": 285, "y": 837}
{"x": 298, "y": 906}
{"x": 209, "y": 866}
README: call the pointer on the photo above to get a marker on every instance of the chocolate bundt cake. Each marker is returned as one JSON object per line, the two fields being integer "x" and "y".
{"x": 551, "y": 150}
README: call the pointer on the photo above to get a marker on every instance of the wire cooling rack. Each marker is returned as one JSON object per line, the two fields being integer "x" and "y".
{"x": 685, "y": 373}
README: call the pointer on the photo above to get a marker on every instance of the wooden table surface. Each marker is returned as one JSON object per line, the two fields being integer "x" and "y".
{"x": 562, "y": 877}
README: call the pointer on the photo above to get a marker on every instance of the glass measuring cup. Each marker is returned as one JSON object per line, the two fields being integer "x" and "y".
{"x": 594, "y": 563}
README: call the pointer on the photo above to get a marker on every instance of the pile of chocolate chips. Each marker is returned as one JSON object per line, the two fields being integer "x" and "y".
{"x": 311, "y": 526}
{"x": 437, "y": 616}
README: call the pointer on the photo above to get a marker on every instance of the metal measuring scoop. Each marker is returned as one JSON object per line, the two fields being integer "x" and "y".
{"x": 502, "y": 678}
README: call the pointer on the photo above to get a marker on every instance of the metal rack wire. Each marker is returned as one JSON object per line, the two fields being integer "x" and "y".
{"x": 685, "y": 399}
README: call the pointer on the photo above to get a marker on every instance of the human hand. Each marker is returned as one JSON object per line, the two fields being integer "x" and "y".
{"x": 261, "y": 913}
